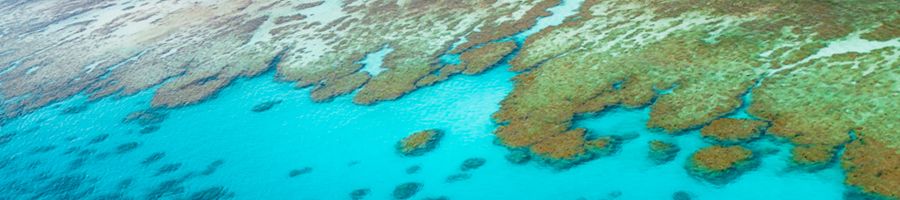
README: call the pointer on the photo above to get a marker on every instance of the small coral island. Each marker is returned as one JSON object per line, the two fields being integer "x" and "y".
{"x": 419, "y": 143}
{"x": 720, "y": 164}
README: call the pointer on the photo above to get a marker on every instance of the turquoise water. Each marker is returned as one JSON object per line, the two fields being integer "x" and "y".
{"x": 337, "y": 147}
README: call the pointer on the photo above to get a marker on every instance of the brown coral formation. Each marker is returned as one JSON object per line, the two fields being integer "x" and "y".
{"x": 478, "y": 60}
{"x": 419, "y": 143}
{"x": 817, "y": 84}
{"x": 733, "y": 131}
{"x": 720, "y": 164}
{"x": 123, "y": 47}
{"x": 873, "y": 166}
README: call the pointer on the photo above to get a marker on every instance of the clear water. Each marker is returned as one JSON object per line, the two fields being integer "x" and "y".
{"x": 349, "y": 147}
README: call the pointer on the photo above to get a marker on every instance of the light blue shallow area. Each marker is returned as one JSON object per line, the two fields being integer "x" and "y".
{"x": 351, "y": 147}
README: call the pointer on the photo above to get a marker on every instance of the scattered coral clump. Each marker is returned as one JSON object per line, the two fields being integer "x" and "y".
{"x": 733, "y": 131}
{"x": 472, "y": 163}
{"x": 662, "y": 152}
{"x": 420, "y": 142}
{"x": 406, "y": 190}
{"x": 720, "y": 164}
{"x": 264, "y": 106}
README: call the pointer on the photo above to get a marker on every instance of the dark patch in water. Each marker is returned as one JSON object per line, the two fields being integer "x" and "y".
{"x": 437, "y": 198}
{"x": 681, "y": 195}
{"x": 352, "y": 163}
{"x": 406, "y": 190}
{"x": 6, "y": 138}
{"x": 458, "y": 177}
{"x": 149, "y": 129}
{"x": 125, "y": 183}
{"x": 614, "y": 195}
{"x": 472, "y": 163}
{"x": 413, "y": 169}
{"x": 66, "y": 187}
{"x": 264, "y": 106}
{"x": 212, "y": 193}
{"x": 212, "y": 167}
{"x": 518, "y": 157}
{"x": 113, "y": 196}
{"x": 74, "y": 109}
{"x": 359, "y": 193}
{"x": 146, "y": 117}
{"x": 99, "y": 138}
{"x": 298, "y": 172}
{"x": 70, "y": 150}
{"x": 6, "y": 162}
{"x": 165, "y": 169}
{"x": 169, "y": 188}
{"x": 153, "y": 158}
{"x": 87, "y": 152}
{"x": 127, "y": 147}
{"x": 43, "y": 149}
{"x": 77, "y": 163}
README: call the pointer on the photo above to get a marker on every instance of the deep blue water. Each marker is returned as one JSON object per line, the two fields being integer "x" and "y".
{"x": 338, "y": 147}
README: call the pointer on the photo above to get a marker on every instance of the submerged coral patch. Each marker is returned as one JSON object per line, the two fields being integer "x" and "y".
{"x": 301, "y": 171}
{"x": 472, "y": 163}
{"x": 420, "y": 142}
{"x": 720, "y": 164}
{"x": 359, "y": 194}
{"x": 264, "y": 106}
{"x": 406, "y": 190}
{"x": 662, "y": 152}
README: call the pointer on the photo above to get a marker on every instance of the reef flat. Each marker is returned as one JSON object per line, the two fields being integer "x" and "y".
{"x": 822, "y": 75}
{"x": 193, "y": 49}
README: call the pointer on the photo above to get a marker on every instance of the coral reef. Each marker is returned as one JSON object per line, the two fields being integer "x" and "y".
{"x": 135, "y": 46}
{"x": 479, "y": 59}
{"x": 126, "y": 147}
{"x": 472, "y": 163}
{"x": 681, "y": 195}
{"x": 420, "y": 142}
{"x": 360, "y": 193}
{"x": 457, "y": 177}
{"x": 169, "y": 168}
{"x": 406, "y": 190}
{"x": 217, "y": 193}
{"x": 662, "y": 152}
{"x": 212, "y": 167}
{"x": 873, "y": 167}
{"x": 98, "y": 139}
{"x": 720, "y": 164}
{"x": 265, "y": 106}
{"x": 413, "y": 169}
{"x": 733, "y": 131}
{"x": 152, "y": 158}
{"x": 301, "y": 171}
{"x": 518, "y": 156}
